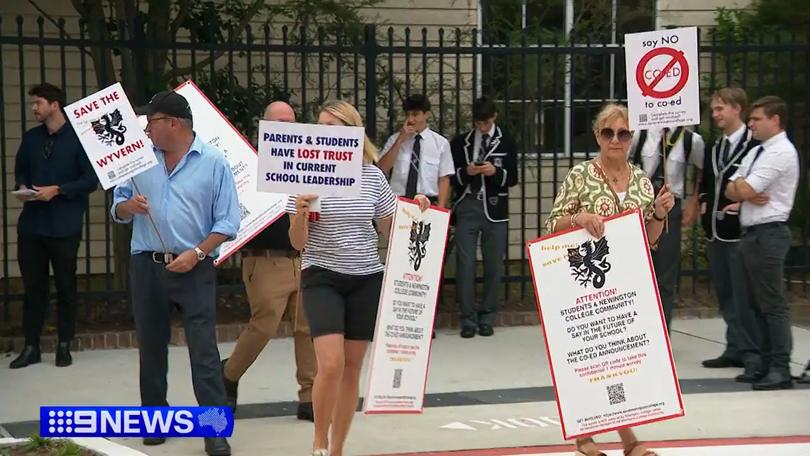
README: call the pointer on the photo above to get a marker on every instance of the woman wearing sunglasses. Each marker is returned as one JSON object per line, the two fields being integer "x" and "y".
{"x": 605, "y": 186}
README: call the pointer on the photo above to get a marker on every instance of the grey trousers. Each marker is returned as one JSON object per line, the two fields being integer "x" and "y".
{"x": 728, "y": 277}
{"x": 667, "y": 261}
{"x": 154, "y": 292}
{"x": 763, "y": 252}
{"x": 470, "y": 223}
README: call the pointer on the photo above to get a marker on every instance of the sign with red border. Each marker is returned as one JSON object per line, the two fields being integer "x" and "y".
{"x": 606, "y": 337}
{"x": 400, "y": 353}
{"x": 662, "y": 78}
{"x": 257, "y": 210}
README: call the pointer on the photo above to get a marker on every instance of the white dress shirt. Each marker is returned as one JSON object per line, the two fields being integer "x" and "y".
{"x": 735, "y": 137}
{"x": 676, "y": 160}
{"x": 435, "y": 161}
{"x": 775, "y": 173}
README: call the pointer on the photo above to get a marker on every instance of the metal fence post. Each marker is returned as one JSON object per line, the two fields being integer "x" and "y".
{"x": 370, "y": 52}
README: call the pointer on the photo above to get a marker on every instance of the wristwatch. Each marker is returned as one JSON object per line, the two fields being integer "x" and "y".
{"x": 200, "y": 254}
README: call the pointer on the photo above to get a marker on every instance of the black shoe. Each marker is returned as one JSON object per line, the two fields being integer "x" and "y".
{"x": 152, "y": 441}
{"x": 751, "y": 375}
{"x": 63, "y": 358}
{"x": 231, "y": 388}
{"x": 217, "y": 446}
{"x": 468, "y": 332}
{"x": 773, "y": 381}
{"x": 486, "y": 330}
{"x": 722, "y": 362}
{"x": 305, "y": 412}
{"x": 29, "y": 355}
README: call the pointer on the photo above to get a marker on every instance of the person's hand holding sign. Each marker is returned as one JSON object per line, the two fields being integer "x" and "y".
{"x": 664, "y": 202}
{"x": 136, "y": 205}
{"x": 302, "y": 203}
{"x": 423, "y": 201}
{"x": 593, "y": 224}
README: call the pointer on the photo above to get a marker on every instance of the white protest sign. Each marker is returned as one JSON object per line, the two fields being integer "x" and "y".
{"x": 401, "y": 351}
{"x": 257, "y": 210}
{"x": 607, "y": 341}
{"x": 111, "y": 135}
{"x": 324, "y": 160}
{"x": 663, "y": 88}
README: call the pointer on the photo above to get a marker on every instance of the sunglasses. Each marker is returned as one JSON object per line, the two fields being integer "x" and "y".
{"x": 48, "y": 150}
{"x": 608, "y": 134}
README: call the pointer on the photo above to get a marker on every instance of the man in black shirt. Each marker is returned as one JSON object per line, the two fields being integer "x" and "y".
{"x": 52, "y": 166}
{"x": 271, "y": 271}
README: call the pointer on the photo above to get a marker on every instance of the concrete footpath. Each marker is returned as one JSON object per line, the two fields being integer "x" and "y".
{"x": 488, "y": 396}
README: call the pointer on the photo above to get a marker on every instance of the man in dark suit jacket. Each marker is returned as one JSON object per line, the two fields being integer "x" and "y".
{"x": 721, "y": 223}
{"x": 486, "y": 166}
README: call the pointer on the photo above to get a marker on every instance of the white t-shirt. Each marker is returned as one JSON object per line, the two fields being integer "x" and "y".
{"x": 775, "y": 173}
{"x": 435, "y": 161}
{"x": 343, "y": 239}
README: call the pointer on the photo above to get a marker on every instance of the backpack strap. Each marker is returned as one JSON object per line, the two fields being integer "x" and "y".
{"x": 642, "y": 138}
{"x": 687, "y": 143}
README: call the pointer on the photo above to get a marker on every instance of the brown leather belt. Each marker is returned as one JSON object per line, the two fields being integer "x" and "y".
{"x": 271, "y": 253}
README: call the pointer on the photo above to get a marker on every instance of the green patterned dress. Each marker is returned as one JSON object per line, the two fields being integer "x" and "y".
{"x": 585, "y": 190}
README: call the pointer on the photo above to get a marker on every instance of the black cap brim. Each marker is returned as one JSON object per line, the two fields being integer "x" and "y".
{"x": 144, "y": 110}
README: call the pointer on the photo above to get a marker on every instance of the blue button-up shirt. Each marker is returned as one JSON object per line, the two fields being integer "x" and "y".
{"x": 198, "y": 198}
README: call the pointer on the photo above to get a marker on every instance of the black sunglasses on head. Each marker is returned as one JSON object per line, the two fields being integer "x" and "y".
{"x": 48, "y": 150}
{"x": 608, "y": 134}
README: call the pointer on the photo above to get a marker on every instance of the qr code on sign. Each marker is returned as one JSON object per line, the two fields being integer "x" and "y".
{"x": 111, "y": 175}
{"x": 616, "y": 393}
{"x": 243, "y": 211}
{"x": 642, "y": 118}
{"x": 397, "y": 379}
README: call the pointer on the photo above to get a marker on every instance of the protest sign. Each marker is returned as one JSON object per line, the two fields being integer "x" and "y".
{"x": 323, "y": 160}
{"x": 401, "y": 351}
{"x": 607, "y": 341}
{"x": 257, "y": 210}
{"x": 663, "y": 87}
{"x": 111, "y": 135}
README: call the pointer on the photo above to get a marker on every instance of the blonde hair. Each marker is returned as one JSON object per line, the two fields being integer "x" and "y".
{"x": 348, "y": 114}
{"x": 608, "y": 114}
{"x": 732, "y": 96}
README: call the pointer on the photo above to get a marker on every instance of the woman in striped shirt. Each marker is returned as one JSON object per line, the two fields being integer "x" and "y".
{"x": 341, "y": 280}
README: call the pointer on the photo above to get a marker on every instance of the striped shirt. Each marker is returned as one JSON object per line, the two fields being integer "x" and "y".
{"x": 343, "y": 239}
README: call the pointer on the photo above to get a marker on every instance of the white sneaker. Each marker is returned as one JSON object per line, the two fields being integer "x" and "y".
{"x": 320, "y": 452}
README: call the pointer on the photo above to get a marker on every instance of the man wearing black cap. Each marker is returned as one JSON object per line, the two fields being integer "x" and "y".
{"x": 181, "y": 210}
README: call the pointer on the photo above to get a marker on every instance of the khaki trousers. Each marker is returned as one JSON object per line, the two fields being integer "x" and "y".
{"x": 272, "y": 284}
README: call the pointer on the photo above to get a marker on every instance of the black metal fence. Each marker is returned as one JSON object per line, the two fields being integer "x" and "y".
{"x": 547, "y": 93}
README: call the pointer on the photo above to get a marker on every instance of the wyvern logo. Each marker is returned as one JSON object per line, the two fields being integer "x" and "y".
{"x": 110, "y": 128}
{"x": 417, "y": 249}
{"x": 136, "y": 421}
{"x": 589, "y": 262}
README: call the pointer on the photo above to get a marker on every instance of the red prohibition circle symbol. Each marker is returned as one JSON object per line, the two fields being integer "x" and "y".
{"x": 648, "y": 90}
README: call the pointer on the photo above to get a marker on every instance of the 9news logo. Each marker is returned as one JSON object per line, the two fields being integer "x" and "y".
{"x": 135, "y": 421}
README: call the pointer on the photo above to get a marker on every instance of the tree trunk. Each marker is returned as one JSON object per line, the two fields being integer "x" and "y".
{"x": 92, "y": 11}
